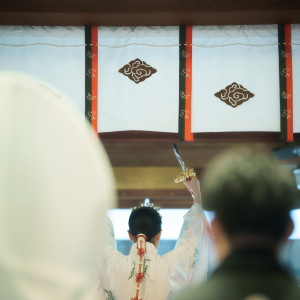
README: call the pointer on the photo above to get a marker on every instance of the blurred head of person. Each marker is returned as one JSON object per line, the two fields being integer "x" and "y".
{"x": 55, "y": 185}
{"x": 251, "y": 196}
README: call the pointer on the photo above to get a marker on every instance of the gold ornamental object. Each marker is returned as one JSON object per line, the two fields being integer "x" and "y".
{"x": 186, "y": 175}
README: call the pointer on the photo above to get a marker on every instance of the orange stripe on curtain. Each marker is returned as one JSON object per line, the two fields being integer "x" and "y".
{"x": 188, "y": 85}
{"x": 94, "y": 42}
{"x": 289, "y": 80}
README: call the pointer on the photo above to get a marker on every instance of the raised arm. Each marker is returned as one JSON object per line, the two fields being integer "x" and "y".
{"x": 193, "y": 185}
{"x": 189, "y": 261}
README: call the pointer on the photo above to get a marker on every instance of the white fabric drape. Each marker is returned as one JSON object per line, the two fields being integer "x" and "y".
{"x": 151, "y": 104}
{"x": 222, "y": 55}
{"x": 43, "y": 52}
{"x": 296, "y": 75}
{"x": 216, "y": 66}
{"x": 55, "y": 185}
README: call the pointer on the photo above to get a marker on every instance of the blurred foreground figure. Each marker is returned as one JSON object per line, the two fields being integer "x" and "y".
{"x": 55, "y": 185}
{"x": 252, "y": 198}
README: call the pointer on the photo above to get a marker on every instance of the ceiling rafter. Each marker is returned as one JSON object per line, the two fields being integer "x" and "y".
{"x": 148, "y": 12}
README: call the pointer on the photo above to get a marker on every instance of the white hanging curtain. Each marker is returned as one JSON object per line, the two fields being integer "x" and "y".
{"x": 296, "y": 75}
{"x": 138, "y": 79}
{"x": 230, "y": 63}
{"x": 53, "y": 54}
{"x": 138, "y": 74}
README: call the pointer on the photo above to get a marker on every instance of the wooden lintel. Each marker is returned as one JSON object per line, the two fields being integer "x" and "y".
{"x": 148, "y": 12}
{"x": 217, "y": 137}
{"x": 162, "y": 198}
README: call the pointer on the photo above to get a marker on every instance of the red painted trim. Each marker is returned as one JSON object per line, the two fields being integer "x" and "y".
{"x": 289, "y": 81}
{"x": 188, "y": 85}
{"x": 94, "y": 34}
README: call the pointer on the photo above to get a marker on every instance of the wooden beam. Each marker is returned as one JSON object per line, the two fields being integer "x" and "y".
{"x": 135, "y": 149}
{"x": 147, "y": 178}
{"x": 162, "y": 198}
{"x": 148, "y": 12}
{"x": 238, "y": 137}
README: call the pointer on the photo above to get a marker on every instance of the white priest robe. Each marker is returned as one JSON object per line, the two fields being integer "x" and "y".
{"x": 187, "y": 264}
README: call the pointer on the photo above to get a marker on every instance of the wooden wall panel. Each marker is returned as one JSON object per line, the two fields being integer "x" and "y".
{"x": 144, "y": 163}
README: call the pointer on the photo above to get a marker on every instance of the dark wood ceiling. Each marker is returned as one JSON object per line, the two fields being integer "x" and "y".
{"x": 148, "y": 12}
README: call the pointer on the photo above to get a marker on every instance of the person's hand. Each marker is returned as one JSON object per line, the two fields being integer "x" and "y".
{"x": 193, "y": 185}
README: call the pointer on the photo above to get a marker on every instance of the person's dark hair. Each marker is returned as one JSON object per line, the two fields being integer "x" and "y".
{"x": 250, "y": 193}
{"x": 145, "y": 220}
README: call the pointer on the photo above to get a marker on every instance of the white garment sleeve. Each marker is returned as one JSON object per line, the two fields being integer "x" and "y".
{"x": 110, "y": 240}
{"x": 188, "y": 262}
{"x": 110, "y": 245}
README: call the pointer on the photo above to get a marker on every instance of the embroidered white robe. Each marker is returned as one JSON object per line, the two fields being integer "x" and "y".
{"x": 187, "y": 264}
